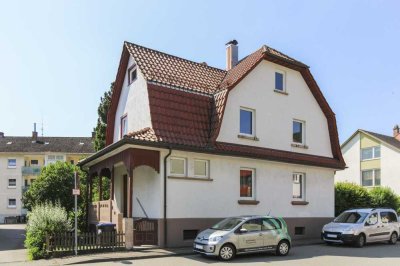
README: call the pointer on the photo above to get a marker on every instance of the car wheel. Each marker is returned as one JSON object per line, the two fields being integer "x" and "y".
{"x": 227, "y": 252}
{"x": 283, "y": 248}
{"x": 360, "y": 241}
{"x": 393, "y": 239}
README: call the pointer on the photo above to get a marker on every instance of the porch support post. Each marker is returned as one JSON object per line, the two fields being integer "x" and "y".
{"x": 88, "y": 199}
{"x": 112, "y": 184}
{"x": 100, "y": 187}
{"x": 130, "y": 191}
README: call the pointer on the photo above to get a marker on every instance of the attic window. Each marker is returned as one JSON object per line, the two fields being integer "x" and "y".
{"x": 9, "y": 143}
{"x": 81, "y": 143}
{"x": 132, "y": 74}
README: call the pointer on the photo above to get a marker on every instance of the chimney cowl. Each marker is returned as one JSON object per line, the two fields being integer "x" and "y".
{"x": 34, "y": 133}
{"x": 232, "y": 54}
{"x": 396, "y": 132}
{"x": 234, "y": 42}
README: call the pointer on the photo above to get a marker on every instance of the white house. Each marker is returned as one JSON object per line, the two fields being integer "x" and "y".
{"x": 189, "y": 144}
{"x": 372, "y": 160}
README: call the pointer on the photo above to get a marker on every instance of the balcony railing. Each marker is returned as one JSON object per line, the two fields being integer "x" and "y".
{"x": 31, "y": 170}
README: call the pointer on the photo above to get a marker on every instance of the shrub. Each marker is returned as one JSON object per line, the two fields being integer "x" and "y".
{"x": 349, "y": 195}
{"x": 44, "y": 219}
{"x": 384, "y": 197}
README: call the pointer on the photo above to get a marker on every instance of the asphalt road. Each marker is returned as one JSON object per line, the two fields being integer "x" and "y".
{"x": 12, "y": 238}
{"x": 374, "y": 254}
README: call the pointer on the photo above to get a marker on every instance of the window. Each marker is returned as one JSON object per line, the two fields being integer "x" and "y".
{"x": 270, "y": 224}
{"x": 54, "y": 158}
{"x": 388, "y": 217}
{"x": 201, "y": 168}
{"x": 246, "y": 122}
{"x": 12, "y": 183}
{"x": 190, "y": 234}
{"x": 72, "y": 162}
{"x": 372, "y": 219}
{"x": 298, "y": 132}
{"x": 124, "y": 125}
{"x": 246, "y": 183}
{"x": 299, "y": 230}
{"x": 26, "y": 182}
{"x": 371, "y": 178}
{"x": 252, "y": 225}
{"x": 371, "y": 153}
{"x": 178, "y": 166}
{"x": 12, "y": 203}
{"x": 298, "y": 186}
{"x": 12, "y": 163}
{"x": 279, "y": 81}
{"x": 34, "y": 162}
{"x": 132, "y": 74}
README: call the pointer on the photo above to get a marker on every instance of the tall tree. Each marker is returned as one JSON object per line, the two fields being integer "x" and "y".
{"x": 101, "y": 127}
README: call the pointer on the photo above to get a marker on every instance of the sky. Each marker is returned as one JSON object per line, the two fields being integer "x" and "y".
{"x": 57, "y": 58}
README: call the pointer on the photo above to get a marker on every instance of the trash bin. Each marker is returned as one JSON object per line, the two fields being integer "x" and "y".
{"x": 105, "y": 233}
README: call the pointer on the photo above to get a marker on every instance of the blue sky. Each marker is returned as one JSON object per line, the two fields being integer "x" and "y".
{"x": 58, "y": 57}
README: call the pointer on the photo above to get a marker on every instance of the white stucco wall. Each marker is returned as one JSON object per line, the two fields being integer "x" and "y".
{"x": 134, "y": 102}
{"x": 390, "y": 168}
{"x": 219, "y": 198}
{"x": 351, "y": 155}
{"x": 275, "y": 112}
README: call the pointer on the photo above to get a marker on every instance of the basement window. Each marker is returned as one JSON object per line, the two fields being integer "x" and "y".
{"x": 300, "y": 231}
{"x": 190, "y": 234}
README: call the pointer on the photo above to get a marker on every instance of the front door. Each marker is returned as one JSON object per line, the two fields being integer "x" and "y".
{"x": 251, "y": 238}
{"x": 125, "y": 196}
{"x": 373, "y": 228}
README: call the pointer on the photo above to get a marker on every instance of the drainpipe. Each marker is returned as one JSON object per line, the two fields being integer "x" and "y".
{"x": 165, "y": 196}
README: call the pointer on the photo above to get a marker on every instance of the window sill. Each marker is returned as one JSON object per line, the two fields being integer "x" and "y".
{"x": 299, "y": 202}
{"x": 248, "y": 202}
{"x": 11, "y": 167}
{"x": 248, "y": 137}
{"x": 281, "y": 92}
{"x": 302, "y": 146}
{"x": 12, "y": 187}
{"x": 191, "y": 178}
{"x": 11, "y": 207}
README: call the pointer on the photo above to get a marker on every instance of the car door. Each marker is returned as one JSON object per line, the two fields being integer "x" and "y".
{"x": 388, "y": 224}
{"x": 270, "y": 228}
{"x": 251, "y": 237}
{"x": 373, "y": 228}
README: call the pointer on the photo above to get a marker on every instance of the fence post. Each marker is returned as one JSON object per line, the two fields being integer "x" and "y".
{"x": 127, "y": 227}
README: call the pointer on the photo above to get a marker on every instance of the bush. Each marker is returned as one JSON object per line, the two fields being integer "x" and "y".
{"x": 44, "y": 219}
{"x": 349, "y": 195}
{"x": 384, "y": 197}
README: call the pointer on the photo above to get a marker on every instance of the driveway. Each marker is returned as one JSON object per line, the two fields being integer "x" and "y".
{"x": 12, "y": 238}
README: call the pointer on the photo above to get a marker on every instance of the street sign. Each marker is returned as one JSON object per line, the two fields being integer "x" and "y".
{"x": 76, "y": 192}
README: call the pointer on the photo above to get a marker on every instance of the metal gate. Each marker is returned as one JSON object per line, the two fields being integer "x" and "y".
{"x": 146, "y": 232}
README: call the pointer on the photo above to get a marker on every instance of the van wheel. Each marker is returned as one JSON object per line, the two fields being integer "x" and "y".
{"x": 283, "y": 248}
{"x": 393, "y": 238}
{"x": 360, "y": 241}
{"x": 227, "y": 252}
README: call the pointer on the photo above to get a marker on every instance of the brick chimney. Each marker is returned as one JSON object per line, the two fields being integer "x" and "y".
{"x": 232, "y": 54}
{"x": 1, "y": 135}
{"x": 396, "y": 132}
{"x": 34, "y": 133}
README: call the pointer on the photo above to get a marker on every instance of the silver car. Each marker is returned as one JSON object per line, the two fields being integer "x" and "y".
{"x": 360, "y": 226}
{"x": 244, "y": 234}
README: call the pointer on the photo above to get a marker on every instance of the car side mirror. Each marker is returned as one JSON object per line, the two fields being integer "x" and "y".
{"x": 243, "y": 230}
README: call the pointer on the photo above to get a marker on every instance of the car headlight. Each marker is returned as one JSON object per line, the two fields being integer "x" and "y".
{"x": 348, "y": 232}
{"x": 215, "y": 239}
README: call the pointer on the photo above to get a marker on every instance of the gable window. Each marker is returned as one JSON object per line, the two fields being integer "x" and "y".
{"x": 201, "y": 168}
{"x": 279, "y": 80}
{"x": 371, "y": 153}
{"x": 247, "y": 121}
{"x": 132, "y": 74}
{"x": 298, "y": 132}
{"x": 371, "y": 178}
{"x": 177, "y": 166}
{"x": 246, "y": 183}
{"x": 12, "y": 183}
{"x": 12, "y": 163}
{"x": 124, "y": 125}
{"x": 298, "y": 186}
{"x": 12, "y": 203}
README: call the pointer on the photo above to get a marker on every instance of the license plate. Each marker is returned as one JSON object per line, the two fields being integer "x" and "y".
{"x": 330, "y": 235}
{"x": 199, "y": 246}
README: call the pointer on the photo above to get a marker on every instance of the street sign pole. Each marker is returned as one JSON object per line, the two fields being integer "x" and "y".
{"x": 76, "y": 217}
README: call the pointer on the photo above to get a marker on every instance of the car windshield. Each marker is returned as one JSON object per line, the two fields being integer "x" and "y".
{"x": 227, "y": 224}
{"x": 351, "y": 217}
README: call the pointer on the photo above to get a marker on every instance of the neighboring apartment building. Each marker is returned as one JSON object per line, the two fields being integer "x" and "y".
{"x": 372, "y": 159}
{"x": 189, "y": 144}
{"x": 21, "y": 160}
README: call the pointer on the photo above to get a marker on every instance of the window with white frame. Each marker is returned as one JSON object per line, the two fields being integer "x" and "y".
{"x": 298, "y": 135}
{"x": 124, "y": 125}
{"x": 371, "y": 178}
{"x": 12, "y": 183}
{"x": 280, "y": 81}
{"x": 247, "y": 121}
{"x": 54, "y": 158}
{"x": 132, "y": 74}
{"x": 201, "y": 168}
{"x": 247, "y": 183}
{"x": 177, "y": 166}
{"x": 371, "y": 153}
{"x": 298, "y": 186}
{"x": 12, "y": 163}
{"x": 12, "y": 203}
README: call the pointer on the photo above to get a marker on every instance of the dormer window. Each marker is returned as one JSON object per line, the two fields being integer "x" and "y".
{"x": 132, "y": 74}
{"x": 124, "y": 125}
{"x": 280, "y": 81}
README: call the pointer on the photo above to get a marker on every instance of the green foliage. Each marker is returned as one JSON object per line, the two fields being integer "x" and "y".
{"x": 102, "y": 111}
{"x": 44, "y": 219}
{"x": 105, "y": 184}
{"x": 384, "y": 197}
{"x": 349, "y": 195}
